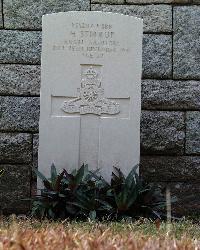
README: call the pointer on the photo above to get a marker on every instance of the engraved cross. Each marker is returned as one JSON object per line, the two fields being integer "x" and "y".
{"x": 92, "y": 106}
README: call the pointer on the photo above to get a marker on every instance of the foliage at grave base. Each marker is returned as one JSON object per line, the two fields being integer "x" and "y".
{"x": 85, "y": 194}
{"x": 1, "y": 172}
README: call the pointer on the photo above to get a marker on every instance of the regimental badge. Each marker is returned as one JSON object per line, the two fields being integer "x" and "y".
{"x": 91, "y": 98}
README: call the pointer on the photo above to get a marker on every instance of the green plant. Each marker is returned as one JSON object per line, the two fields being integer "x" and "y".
{"x": 1, "y": 172}
{"x": 83, "y": 193}
{"x": 58, "y": 189}
{"x": 50, "y": 203}
{"x": 134, "y": 197}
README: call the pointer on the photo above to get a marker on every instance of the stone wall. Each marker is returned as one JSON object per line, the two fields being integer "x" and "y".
{"x": 170, "y": 125}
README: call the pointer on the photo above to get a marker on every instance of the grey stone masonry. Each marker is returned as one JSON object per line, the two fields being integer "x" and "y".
{"x": 142, "y": 1}
{"x": 35, "y": 150}
{"x": 15, "y": 147}
{"x": 108, "y": 1}
{"x": 19, "y": 79}
{"x": 19, "y": 113}
{"x": 27, "y": 14}
{"x": 188, "y": 197}
{"x": 186, "y": 54}
{"x": 170, "y": 168}
{"x": 157, "y": 56}
{"x": 49, "y": 6}
{"x": 35, "y": 156}
{"x": 1, "y": 17}
{"x": 162, "y": 132}
{"x": 193, "y": 132}
{"x": 170, "y": 95}
{"x": 22, "y": 14}
{"x": 20, "y": 46}
{"x": 15, "y": 186}
{"x": 157, "y": 1}
{"x": 157, "y": 18}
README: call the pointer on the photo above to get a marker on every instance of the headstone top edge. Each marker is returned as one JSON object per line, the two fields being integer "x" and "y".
{"x": 80, "y": 13}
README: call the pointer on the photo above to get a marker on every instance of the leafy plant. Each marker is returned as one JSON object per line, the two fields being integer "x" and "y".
{"x": 50, "y": 203}
{"x": 1, "y": 172}
{"x": 83, "y": 193}
{"x": 131, "y": 196}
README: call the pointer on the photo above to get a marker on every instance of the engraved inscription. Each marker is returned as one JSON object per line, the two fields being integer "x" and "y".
{"x": 92, "y": 40}
{"x": 91, "y": 98}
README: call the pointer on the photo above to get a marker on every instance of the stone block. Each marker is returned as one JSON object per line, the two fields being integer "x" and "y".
{"x": 19, "y": 79}
{"x": 186, "y": 42}
{"x": 157, "y": 18}
{"x": 162, "y": 132}
{"x": 170, "y": 168}
{"x": 188, "y": 197}
{"x": 20, "y": 46}
{"x": 49, "y": 6}
{"x": 1, "y": 17}
{"x": 157, "y": 1}
{"x": 15, "y": 147}
{"x": 192, "y": 132}
{"x": 22, "y": 14}
{"x": 27, "y": 14}
{"x": 157, "y": 56}
{"x": 108, "y": 1}
{"x": 19, "y": 113}
{"x": 170, "y": 95}
{"x": 35, "y": 150}
{"x": 15, "y": 186}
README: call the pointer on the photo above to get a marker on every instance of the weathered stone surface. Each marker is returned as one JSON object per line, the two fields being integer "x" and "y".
{"x": 168, "y": 94}
{"x": 35, "y": 150}
{"x": 108, "y": 1}
{"x": 34, "y": 190}
{"x": 19, "y": 79}
{"x": 27, "y": 14}
{"x": 157, "y": 56}
{"x": 19, "y": 113}
{"x": 20, "y": 46}
{"x": 157, "y": 18}
{"x": 15, "y": 147}
{"x": 193, "y": 132}
{"x": 49, "y": 6}
{"x": 15, "y": 186}
{"x": 188, "y": 197}
{"x": 1, "y": 18}
{"x": 21, "y": 14}
{"x": 186, "y": 42}
{"x": 170, "y": 168}
{"x": 162, "y": 132}
{"x": 157, "y": 1}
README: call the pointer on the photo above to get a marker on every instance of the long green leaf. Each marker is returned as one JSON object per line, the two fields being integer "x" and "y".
{"x": 1, "y": 172}
{"x": 53, "y": 173}
{"x": 105, "y": 204}
{"x": 40, "y": 175}
{"x": 132, "y": 198}
{"x": 80, "y": 173}
{"x": 76, "y": 204}
{"x": 46, "y": 182}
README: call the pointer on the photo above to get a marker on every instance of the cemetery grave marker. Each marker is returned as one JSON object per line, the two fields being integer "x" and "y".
{"x": 90, "y": 91}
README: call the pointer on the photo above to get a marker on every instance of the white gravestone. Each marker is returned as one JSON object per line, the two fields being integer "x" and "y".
{"x": 90, "y": 91}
